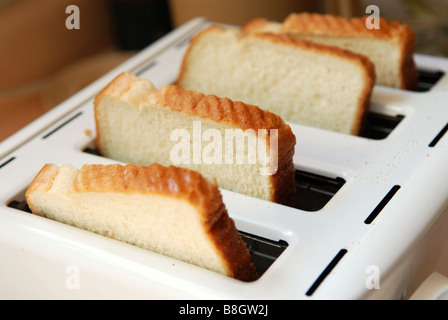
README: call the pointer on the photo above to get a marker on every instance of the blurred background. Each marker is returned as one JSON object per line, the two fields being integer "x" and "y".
{"x": 42, "y": 63}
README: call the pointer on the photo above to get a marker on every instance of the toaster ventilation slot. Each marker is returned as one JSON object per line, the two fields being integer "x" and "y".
{"x": 7, "y": 162}
{"x": 326, "y": 272}
{"x": 439, "y": 136}
{"x": 427, "y": 79}
{"x": 264, "y": 251}
{"x": 313, "y": 191}
{"x": 382, "y": 204}
{"x": 182, "y": 44}
{"x": 146, "y": 68}
{"x": 62, "y": 125}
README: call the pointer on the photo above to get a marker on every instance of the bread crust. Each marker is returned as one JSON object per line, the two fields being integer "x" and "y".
{"x": 286, "y": 39}
{"x": 178, "y": 183}
{"x": 331, "y": 25}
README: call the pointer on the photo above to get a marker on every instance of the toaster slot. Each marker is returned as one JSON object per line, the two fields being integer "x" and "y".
{"x": 19, "y": 205}
{"x": 378, "y": 126}
{"x": 313, "y": 191}
{"x": 427, "y": 79}
{"x": 264, "y": 251}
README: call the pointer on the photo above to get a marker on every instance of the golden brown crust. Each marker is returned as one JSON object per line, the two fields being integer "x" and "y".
{"x": 232, "y": 246}
{"x": 259, "y": 25}
{"x": 327, "y": 24}
{"x": 121, "y": 83}
{"x": 243, "y": 116}
{"x": 223, "y": 110}
{"x": 330, "y": 25}
{"x": 290, "y": 40}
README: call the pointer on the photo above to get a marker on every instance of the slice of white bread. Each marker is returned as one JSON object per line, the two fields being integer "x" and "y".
{"x": 303, "y": 82}
{"x": 390, "y": 48}
{"x": 169, "y": 210}
{"x": 138, "y": 124}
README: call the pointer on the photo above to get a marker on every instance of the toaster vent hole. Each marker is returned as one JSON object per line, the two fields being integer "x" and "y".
{"x": 314, "y": 191}
{"x": 61, "y": 126}
{"x": 438, "y": 137}
{"x": 264, "y": 251}
{"x": 7, "y": 162}
{"x": 146, "y": 68}
{"x": 427, "y": 79}
{"x": 326, "y": 272}
{"x": 382, "y": 204}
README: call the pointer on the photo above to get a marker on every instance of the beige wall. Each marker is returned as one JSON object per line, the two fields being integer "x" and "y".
{"x": 237, "y": 11}
{"x": 42, "y": 62}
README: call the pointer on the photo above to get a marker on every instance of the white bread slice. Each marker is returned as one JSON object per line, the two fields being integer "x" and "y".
{"x": 138, "y": 124}
{"x": 390, "y": 47}
{"x": 169, "y": 210}
{"x": 303, "y": 82}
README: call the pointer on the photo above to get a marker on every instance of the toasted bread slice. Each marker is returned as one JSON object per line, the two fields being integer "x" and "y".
{"x": 245, "y": 149}
{"x": 390, "y": 48}
{"x": 301, "y": 81}
{"x": 169, "y": 210}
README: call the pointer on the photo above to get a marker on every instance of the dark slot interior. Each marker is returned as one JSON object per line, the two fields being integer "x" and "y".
{"x": 427, "y": 79}
{"x": 264, "y": 251}
{"x": 19, "y": 205}
{"x": 378, "y": 126}
{"x": 313, "y": 191}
